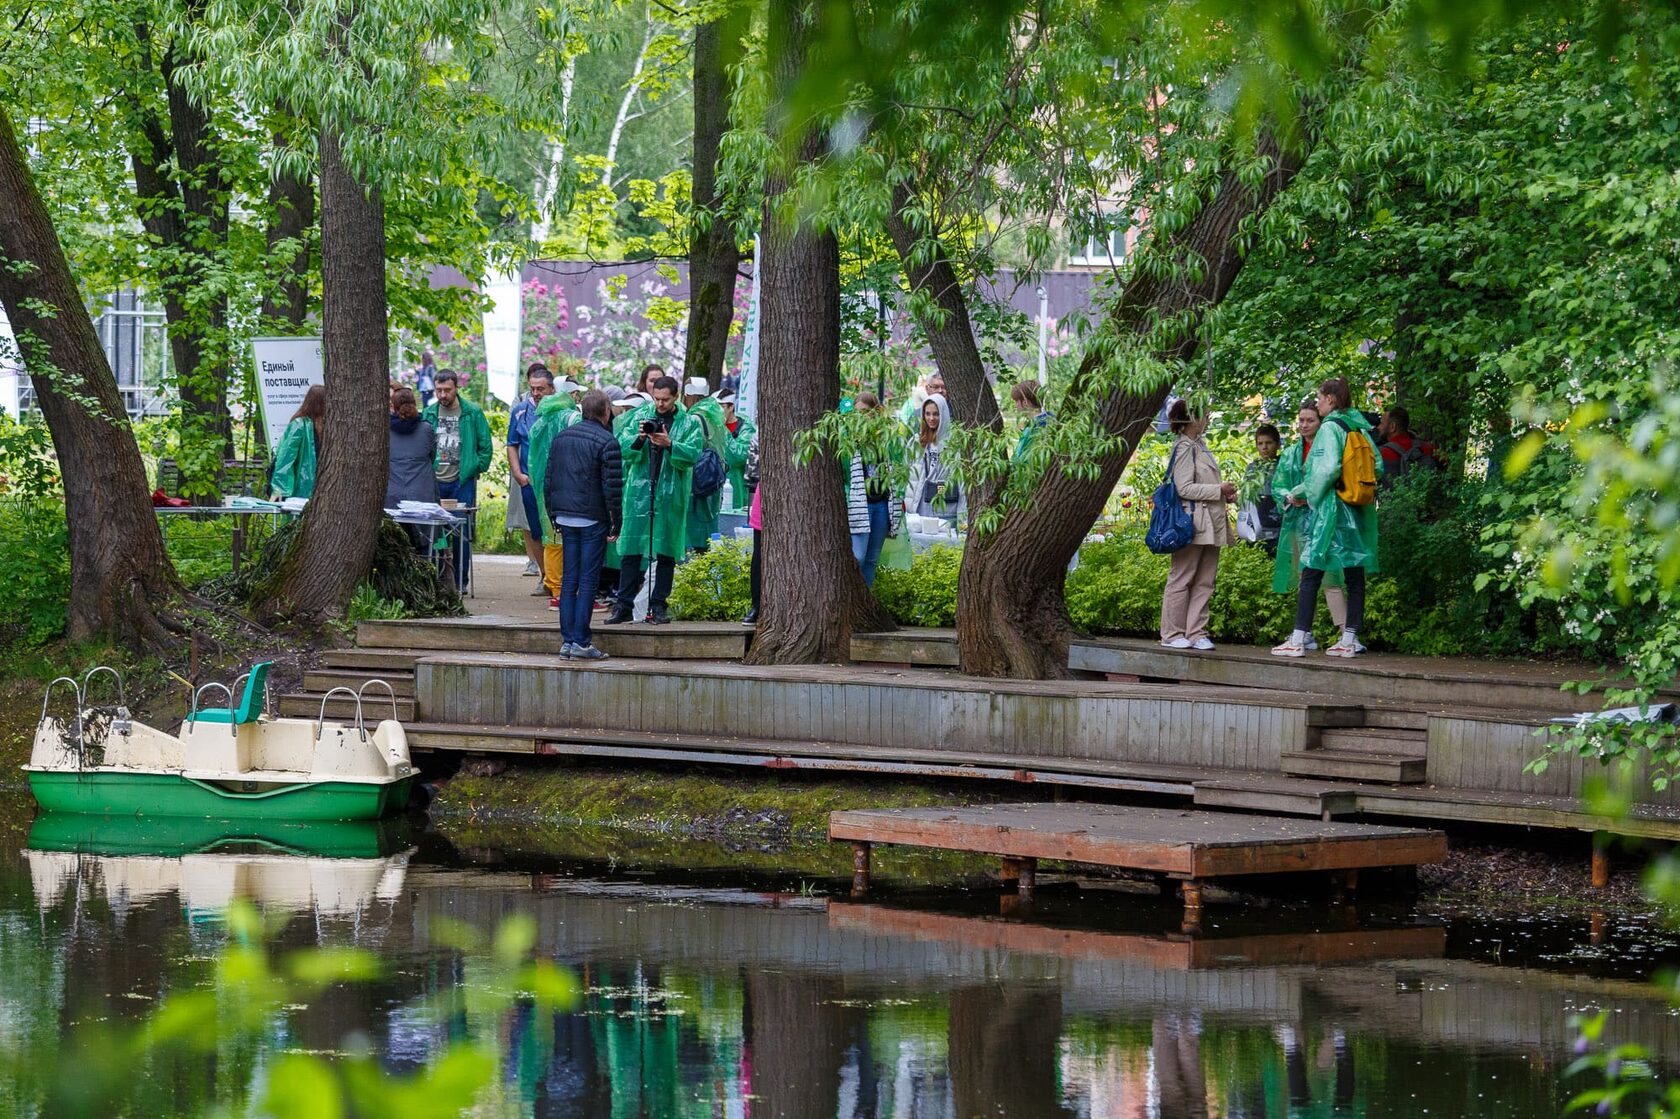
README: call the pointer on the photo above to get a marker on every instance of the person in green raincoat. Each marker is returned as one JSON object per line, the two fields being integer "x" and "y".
{"x": 555, "y": 414}
{"x": 1336, "y": 536}
{"x": 741, "y": 432}
{"x": 661, "y": 443}
{"x": 1293, "y": 511}
{"x": 714, "y": 433}
{"x": 295, "y": 457}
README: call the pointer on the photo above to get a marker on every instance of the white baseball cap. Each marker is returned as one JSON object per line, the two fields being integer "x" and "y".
{"x": 566, "y": 384}
{"x": 631, "y": 399}
{"x": 726, "y": 398}
{"x": 697, "y": 386}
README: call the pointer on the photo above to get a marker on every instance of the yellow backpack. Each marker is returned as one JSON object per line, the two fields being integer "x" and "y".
{"x": 1358, "y": 483}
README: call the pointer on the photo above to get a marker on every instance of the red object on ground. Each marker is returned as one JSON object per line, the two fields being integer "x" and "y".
{"x": 163, "y": 499}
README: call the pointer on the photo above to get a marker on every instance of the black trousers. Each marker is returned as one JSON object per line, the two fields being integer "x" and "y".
{"x": 630, "y": 582}
{"x": 1306, "y": 603}
{"x": 753, "y": 577}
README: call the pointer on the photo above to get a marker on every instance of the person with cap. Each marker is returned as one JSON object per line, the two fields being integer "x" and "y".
{"x": 522, "y": 499}
{"x": 714, "y": 434}
{"x": 741, "y": 432}
{"x": 607, "y": 584}
{"x": 556, "y": 413}
{"x": 660, "y": 443}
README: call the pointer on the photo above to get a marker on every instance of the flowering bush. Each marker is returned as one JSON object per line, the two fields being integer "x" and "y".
{"x": 625, "y": 331}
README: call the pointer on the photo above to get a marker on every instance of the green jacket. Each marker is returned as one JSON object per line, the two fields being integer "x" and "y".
{"x": 555, "y": 414}
{"x": 735, "y": 460}
{"x": 294, "y": 460}
{"x": 477, "y": 448}
{"x": 1286, "y": 565}
{"x": 707, "y": 414}
{"x": 1336, "y": 535}
{"x": 656, "y": 518}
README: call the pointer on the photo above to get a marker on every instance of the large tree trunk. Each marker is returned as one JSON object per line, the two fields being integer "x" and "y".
{"x": 119, "y": 571}
{"x": 948, "y": 329}
{"x": 813, "y": 593}
{"x": 1011, "y": 617}
{"x": 334, "y": 546}
{"x": 713, "y": 255}
{"x": 183, "y": 203}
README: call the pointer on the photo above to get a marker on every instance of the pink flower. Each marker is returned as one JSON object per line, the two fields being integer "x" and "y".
{"x": 481, "y": 367}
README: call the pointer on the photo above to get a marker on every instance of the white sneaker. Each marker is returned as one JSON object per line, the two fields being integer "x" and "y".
{"x": 1202, "y": 645}
{"x": 1176, "y": 643}
{"x": 1312, "y": 645}
{"x": 1343, "y": 649}
{"x": 531, "y": 568}
{"x": 1289, "y": 649}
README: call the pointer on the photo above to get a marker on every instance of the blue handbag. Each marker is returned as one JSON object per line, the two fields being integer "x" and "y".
{"x": 1170, "y": 527}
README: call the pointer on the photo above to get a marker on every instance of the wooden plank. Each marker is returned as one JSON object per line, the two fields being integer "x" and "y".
{"x": 1188, "y": 844}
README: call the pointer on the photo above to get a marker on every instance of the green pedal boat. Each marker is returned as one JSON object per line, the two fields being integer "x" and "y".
{"x": 227, "y": 763}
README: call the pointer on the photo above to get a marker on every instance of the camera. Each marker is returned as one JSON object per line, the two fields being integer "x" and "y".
{"x": 649, "y": 427}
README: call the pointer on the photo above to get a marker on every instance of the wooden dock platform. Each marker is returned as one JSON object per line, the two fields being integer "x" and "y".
{"x": 1187, "y": 846}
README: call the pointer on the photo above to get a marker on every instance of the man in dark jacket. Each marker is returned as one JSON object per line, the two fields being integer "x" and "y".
{"x": 583, "y": 489}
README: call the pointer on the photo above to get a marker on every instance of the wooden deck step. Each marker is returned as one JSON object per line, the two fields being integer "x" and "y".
{"x": 1374, "y": 740}
{"x": 1354, "y": 765}
{"x": 1287, "y": 796}
{"x": 303, "y": 705}
{"x": 1401, "y": 718}
{"x": 322, "y": 680}
{"x": 373, "y": 660}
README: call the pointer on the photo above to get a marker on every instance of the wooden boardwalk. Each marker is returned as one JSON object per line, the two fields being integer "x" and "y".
{"x": 1184, "y": 845}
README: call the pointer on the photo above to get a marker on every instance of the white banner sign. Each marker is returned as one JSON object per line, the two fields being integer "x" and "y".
{"x": 746, "y": 391}
{"x": 286, "y": 367}
{"x": 501, "y": 335}
{"x": 11, "y": 370}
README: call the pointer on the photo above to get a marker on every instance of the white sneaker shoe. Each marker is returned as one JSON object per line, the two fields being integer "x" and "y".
{"x": 1289, "y": 649}
{"x": 1176, "y": 643}
{"x": 531, "y": 568}
{"x": 1344, "y": 649}
{"x": 1202, "y": 645}
{"x": 1312, "y": 645}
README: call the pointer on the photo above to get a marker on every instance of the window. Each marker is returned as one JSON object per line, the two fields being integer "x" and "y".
{"x": 1106, "y": 247}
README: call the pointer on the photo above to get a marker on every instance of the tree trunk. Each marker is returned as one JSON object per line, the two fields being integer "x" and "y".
{"x": 183, "y": 203}
{"x": 119, "y": 571}
{"x": 1011, "y": 617}
{"x": 813, "y": 592}
{"x": 631, "y": 89}
{"x": 333, "y": 549}
{"x": 285, "y": 304}
{"x": 950, "y": 331}
{"x": 554, "y": 157}
{"x": 713, "y": 255}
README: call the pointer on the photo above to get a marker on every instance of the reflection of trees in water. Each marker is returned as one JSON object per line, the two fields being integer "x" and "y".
{"x": 1004, "y": 1051}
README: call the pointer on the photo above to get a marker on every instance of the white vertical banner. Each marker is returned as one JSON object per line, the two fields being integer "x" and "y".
{"x": 286, "y": 368}
{"x": 502, "y": 326}
{"x": 746, "y": 390}
{"x": 11, "y": 370}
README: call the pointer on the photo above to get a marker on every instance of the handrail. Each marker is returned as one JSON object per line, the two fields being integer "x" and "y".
{"x": 192, "y": 715}
{"x": 321, "y": 718}
{"x": 390, "y": 692}
{"x": 87, "y": 683}
{"x": 76, "y": 689}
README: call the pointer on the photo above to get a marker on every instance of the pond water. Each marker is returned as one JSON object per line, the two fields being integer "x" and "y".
{"x": 710, "y": 994}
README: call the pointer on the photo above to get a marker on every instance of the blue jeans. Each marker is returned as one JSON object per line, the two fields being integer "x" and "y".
{"x": 580, "y": 570}
{"x": 866, "y": 546}
{"x": 528, "y": 498}
{"x": 461, "y": 548}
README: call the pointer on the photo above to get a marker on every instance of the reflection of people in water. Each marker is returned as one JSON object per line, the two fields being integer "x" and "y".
{"x": 1177, "y": 1054}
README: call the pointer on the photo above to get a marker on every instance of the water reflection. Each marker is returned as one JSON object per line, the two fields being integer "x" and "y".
{"x": 734, "y": 1002}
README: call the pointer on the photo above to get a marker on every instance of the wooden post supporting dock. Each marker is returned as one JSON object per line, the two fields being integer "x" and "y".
{"x": 860, "y": 870}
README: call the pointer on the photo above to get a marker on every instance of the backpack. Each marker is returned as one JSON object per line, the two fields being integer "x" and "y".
{"x": 1170, "y": 527}
{"x": 1358, "y": 483}
{"x": 709, "y": 474}
{"x": 1406, "y": 459}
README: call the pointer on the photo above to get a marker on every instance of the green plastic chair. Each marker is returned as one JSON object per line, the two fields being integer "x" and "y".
{"x": 250, "y": 703}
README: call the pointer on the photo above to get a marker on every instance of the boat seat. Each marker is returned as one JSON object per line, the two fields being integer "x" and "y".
{"x": 250, "y": 702}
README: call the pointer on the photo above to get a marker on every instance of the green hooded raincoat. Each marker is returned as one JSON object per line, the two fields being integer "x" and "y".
{"x": 1334, "y": 534}
{"x": 656, "y": 523}
{"x": 555, "y": 414}
{"x": 707, "y": 415}
{"x": 294, "y": 460}
{"x": 736, "y": 460}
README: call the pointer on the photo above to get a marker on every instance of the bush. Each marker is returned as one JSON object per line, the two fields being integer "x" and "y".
{"x": 34, "y": 572}
{"x": 715, "y": 585}
{"x": 925, "y": 595}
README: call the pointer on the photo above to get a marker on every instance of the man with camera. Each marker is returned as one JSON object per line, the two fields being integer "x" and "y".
{"x": 661, "y": 443}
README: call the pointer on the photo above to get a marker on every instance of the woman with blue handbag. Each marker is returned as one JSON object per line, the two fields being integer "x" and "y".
{"x": 1206, "y": 497}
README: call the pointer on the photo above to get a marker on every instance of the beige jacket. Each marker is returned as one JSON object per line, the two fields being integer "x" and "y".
{"x": 1196, "y": 474}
